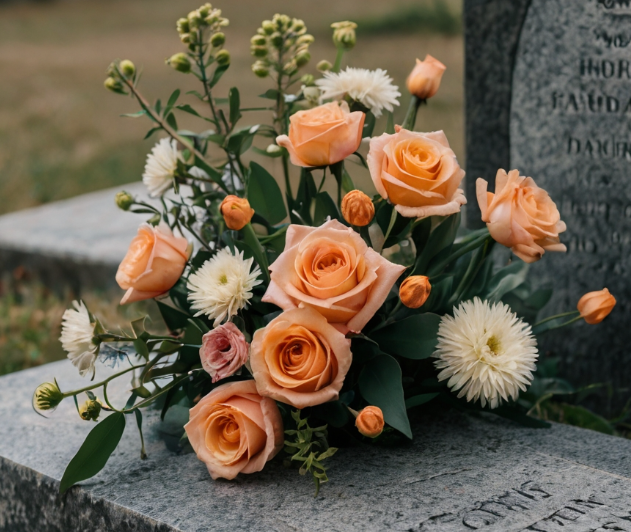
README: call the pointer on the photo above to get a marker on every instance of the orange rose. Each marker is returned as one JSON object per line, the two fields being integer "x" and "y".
{"x": 236, "y": 212}
{"x": 153, "y": 264}
{"x": 369, "y": 422}
{"x": 357, "y": 208}
{"x": 324, "y": 135}
{"x": 415, "y": 291}
{"x": 424, "y": 80}
{"x": 521, "y": 216}
{"x": 300, "y": 359}
{"x": 234, "y": 430}
{"x": 417, "y": 172}
{"x": 331, "y": 269}
{"x": 596, "y": 306}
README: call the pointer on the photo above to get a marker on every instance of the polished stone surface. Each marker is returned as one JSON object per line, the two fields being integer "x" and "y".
{"x": 460, "y": 473}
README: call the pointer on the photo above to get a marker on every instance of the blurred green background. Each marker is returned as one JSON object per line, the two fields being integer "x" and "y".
{"x": 61, "y": 134}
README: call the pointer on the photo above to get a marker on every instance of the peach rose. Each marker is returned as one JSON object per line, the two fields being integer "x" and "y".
{"x": 369, "y": 422}
{"x": 520, "y": 215}
{"x": 236, "y": 212}
{"x": 324, "y": 135}
{"x": 596, "y": 306}
{"x": 424, "y": 80}
{"x": 417, "y": 172}
{"x": 300, "y": 359}
{"x": 153, "y": 264}
{"x": 331, "y": 269}
{"x": 224, "y": 350}
{"x": 234, "y": 430}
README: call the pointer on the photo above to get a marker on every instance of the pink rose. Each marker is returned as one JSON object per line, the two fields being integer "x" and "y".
{"x": 332, "y": 270}
{"x": 224, "y": 350}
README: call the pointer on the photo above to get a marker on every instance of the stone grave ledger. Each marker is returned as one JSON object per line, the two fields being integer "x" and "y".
{"x": 458, "y": 474}
{"x": 568, "y": 126}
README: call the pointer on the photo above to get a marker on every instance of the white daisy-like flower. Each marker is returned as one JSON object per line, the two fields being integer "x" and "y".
{"x": 371, "y": 88}
{"x": 77, "y": 332}
{"x": 223, "y": 285}
{"x": 160, "y": 167}
{"x": 486, "y": 352}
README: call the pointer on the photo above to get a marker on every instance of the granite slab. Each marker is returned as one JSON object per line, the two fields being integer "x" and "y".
{"x": 459, "y": 473}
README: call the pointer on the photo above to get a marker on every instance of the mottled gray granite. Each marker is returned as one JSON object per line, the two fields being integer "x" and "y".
{"x": 571, "y": 131}
{"x": 460, "y": 473}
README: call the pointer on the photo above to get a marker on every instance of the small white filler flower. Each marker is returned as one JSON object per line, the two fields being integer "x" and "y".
{"x": 77, "y": 337}
{"x": 160, "y": 167}
{"x": 486, "y": 352}
{"x": 223, "y": 285}
{"x": 371, "y": 88}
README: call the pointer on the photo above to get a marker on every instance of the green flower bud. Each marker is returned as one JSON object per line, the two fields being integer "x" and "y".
{"x": 194, "y": 19}
{"x": 259, "y": 51}
{"x": 224, "y": 22}
{"x": 218, "y": 39}
{"x": 298, "y": 25}
{"x": 324, "y": 66}
{"x": 180, "y": 62}
{"x": 47, "y": 396}
{"x": 185, "y": 38}
{"x": 268, "y": 27}
{"x": 344, "y": 34}
{"x": 127, "y": 68}
{"x": 114, "y": 85}
{"x": 258, "y": 40}
{"x": 274, "y": 150}
{"x": 302, "y": 59}
{"x": 305, "y": 39}
{"x": 261, "y": 69}
{"x": 204, "y": 10}
{"x": 90, "y": 410}
{"x": 290, "y": 68}
{"x": 124, "y": 200}
{"x": 183, "y": 25}
{"x": 308, "y": 80}
{"x": 223, "y": 57}
{"x": 282, "y": 22}
{"x": 211, "y": 19}
{"x": 276, "y": 39}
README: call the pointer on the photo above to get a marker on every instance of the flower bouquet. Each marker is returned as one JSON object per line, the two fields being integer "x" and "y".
{"x": 298, "y": 319}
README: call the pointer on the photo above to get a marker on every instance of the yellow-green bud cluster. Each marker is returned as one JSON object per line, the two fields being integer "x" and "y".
{"x": 179, "y": 62}
{"x": 282, "y": 36}
{"x": 118, "y": 73}
{"x": 124, "y": 200}
{"x": 344, "y": 34}
{"x": 202, "y": 26}
{"x": 90, "y": 410}
{"x": 324, "y": 66}
{"x": 47, "y": 396}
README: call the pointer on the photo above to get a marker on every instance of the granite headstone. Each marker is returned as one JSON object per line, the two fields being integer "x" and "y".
{"x": 549, "y": 93}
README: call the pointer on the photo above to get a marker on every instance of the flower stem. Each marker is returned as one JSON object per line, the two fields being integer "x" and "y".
{"x": 564, "y": 315}
{"x": 410, "y": 117}
{"x": 99, "y": 384}
{"x": 338, "y": 60}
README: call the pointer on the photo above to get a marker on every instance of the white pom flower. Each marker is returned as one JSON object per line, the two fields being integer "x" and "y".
{"x": 486, "y": 352}
{"x": 223, "y": 285}
{"x": 160, "y": 167}
{"x": 77, "y": 333}
{"x": 371, "y": 88}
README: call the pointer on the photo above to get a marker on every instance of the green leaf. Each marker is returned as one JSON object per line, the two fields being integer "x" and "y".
{"x": 380, "y": 385}
{"x": 172, "y": 121}
{"x": 306, "y": 192}
{"x": 251, "y": 240}
{"x": 214, "y": 174}
{"x": 390, "y": 123}
{"x": 140, "y": 113}
{"x": 174, "y": 318}
{"x": 419, "y": 400}
{"x": 325, "y": 207}
{"x": 151, "y": 132}
{"x": 219, "y": 71}
{"x": 577, "y": 416}
{"x": 265, "y": 195}
{"x": 333, "y": 413}
{"x": 415, "y": 337}
{"x": 347, "y": 182}
{"x": 441, "y": 237}
{"x": 235, "y": 104}
{"x": 270, "y": 94}
{"x": 506, "y": 280}
{"x": 369, "y": 125}
{"x": 172, "y": 99}
{"x": 95, "y": 451}
{"x": 141, "y": 348}
{"x": 188, "y": 109}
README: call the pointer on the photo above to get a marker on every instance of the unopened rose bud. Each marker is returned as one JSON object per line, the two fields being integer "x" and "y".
{"x": 268, "y": 27}
{"x": 90, "y": 410}
{"x": 124, "y": 200}
{"x": 324, "y": 66}
{"x": 180, "y": 62}
{"x": 358, "y": 208}
{"x": 47, "y": 396}
{"x": 274, "y": 150}
{"x": 114, "y": 85}
{"x": 236, "y": 212}
{"x": 302, "y": 59}
{"x": 424, "y": 80}
{"x": 127, "y": 68}
{"x": 223, "y": 58}
{"x": 414, "y": 291}
{"x": 260, "y": 69}
{"x": 369, "y": 422}
{"x": 344, "y": 34}
{"x": 596, "y": 306}
{"x": 218, "y": 39}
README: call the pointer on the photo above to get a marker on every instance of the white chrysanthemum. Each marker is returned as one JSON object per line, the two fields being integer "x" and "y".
{"x": 223, "y": 285}
{"x": 77, "y": 331}
{"x": 372, "y": 88}
{"x": 160, "y": 167}
{"x": 486, "y": 352}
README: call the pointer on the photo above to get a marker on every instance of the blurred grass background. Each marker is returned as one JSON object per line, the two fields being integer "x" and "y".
{"x": 61, "y": 134}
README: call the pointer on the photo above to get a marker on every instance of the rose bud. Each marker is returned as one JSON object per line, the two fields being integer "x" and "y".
{"x": 424, "y": 80}
{"x": 357, "y": 208}
{"x": 369, "y": 422}
{"x": 236, "y": 212}
{"x": 596, "y": 306}
{"x": 414, "y": 291}
{"x": 224, "y": 350}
